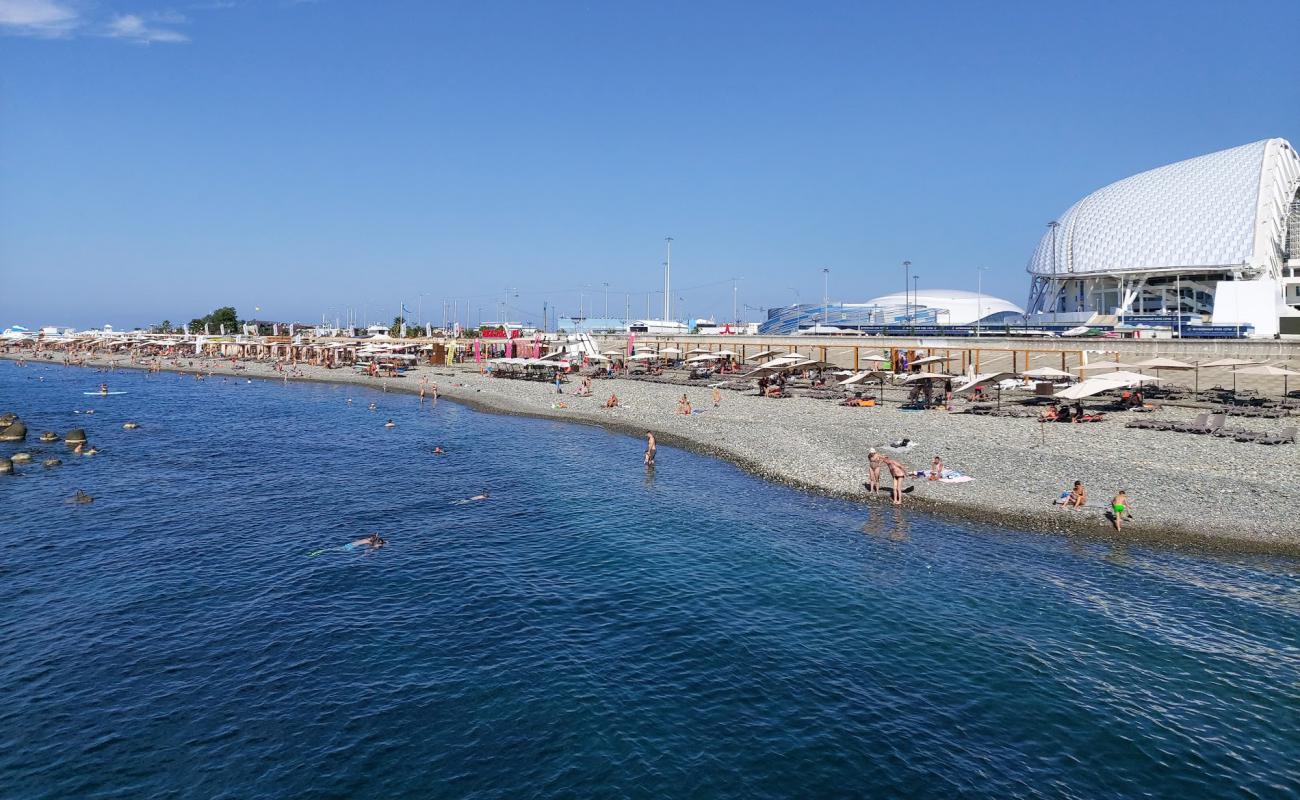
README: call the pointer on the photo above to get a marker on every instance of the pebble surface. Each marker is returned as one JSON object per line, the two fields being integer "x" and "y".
{"x": 1184, "y": 489}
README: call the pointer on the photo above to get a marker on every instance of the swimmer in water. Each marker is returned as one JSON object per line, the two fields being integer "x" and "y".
{"x": 649, "y": 449}
{"x": 438, "y": 451}
{"x": 103, "y": 388}
{"x": 373, "y": 540}
{"x": 483, "y": 496}
{"x": 390, "y": 424}
{"x": 370, "y": 407}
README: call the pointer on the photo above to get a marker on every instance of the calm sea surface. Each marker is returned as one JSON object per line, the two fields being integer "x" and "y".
{"x": 588, "y": 630}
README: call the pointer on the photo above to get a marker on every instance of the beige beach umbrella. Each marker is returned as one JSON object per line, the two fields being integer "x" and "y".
{"x": 694, "y": 351}
{"x": 1267, "y": 370}
{"x": 1047, "y": 372}
{"x": 764, "y": 354}
{"x": 670, "y": 351}
{"x": 1164, "y": 363}
{"x": 1105, "y": 365}
{"x": 1224, "y": 362}
{"x": 984, "y": 379}
{"x": 1130, "y": 377}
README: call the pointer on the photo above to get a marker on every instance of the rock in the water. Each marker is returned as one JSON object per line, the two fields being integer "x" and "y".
{"x": 51, "y": 462}
{"x": 15, "y": 432}
{"x": 18, "y": 458}
{"x": 75, "y": 435}
{"x": 82, "y": 497}
{"x": 8, "y": 418}
{"x": 6, "y": 466}
{"x": 49, "y": 436}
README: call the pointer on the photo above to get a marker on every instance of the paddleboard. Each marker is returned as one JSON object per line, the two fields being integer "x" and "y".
{"x": 100, "y": 394}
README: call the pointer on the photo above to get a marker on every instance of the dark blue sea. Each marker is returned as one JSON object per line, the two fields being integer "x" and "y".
{"x": 587, "y": 631}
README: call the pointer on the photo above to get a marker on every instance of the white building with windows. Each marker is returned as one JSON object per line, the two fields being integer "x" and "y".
{"x": 1216, "y": 236}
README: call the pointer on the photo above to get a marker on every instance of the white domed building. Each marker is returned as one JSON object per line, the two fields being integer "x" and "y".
{"x": 1217, "y": 237}
{"x": 953, "y": 306}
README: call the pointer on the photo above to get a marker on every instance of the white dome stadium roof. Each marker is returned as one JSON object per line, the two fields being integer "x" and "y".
{"x": 1225, "y": 209}
{"x": 963, "y": 307}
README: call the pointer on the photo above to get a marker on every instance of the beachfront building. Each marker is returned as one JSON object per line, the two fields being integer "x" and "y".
{"x": 1213, "y": 239}
{"x": 920, "y": 308}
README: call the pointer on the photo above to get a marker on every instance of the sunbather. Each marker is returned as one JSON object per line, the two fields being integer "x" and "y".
{"x": 1076, "y": 497}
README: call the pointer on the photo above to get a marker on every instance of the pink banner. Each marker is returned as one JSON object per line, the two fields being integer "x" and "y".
{"x": 478, "y": 355}
{"x": 631, "y": 340}
{"x": 510, "y": 348}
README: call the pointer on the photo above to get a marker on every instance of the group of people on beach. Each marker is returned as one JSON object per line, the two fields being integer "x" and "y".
{"x": 1077, "y": 497}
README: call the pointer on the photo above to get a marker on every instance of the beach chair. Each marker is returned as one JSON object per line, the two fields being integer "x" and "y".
{"x": 1285, "y": 436}
{"x": 1215, "y": 423}
{"x": 1195, "y": 426}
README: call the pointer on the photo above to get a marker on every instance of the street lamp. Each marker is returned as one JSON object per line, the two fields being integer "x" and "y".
{"x": 606, "y": 285}
{"x": 979, "y": 298}
{"x": 916, "y": 294}
{"x": 907, "y": 300}
{"x": 826, "y": 279}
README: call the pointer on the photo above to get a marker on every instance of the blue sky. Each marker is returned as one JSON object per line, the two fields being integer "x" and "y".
{"x": 157, "y": 161}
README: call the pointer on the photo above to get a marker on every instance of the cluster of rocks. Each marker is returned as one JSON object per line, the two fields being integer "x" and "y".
{"x": 13, "y": 429}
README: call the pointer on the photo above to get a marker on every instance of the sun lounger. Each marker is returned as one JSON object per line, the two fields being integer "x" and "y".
{"x": 1195, "y": 426}
{"x": 1287, "y": 435}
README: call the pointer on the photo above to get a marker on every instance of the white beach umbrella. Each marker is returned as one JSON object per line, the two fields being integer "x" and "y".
{"x": 694, "y": 351}
{"x": 1164, "y": 363}
{"x": 984, "y": 379}
{"x": 670, "y": 351}
{"x": 926, "y": 376}
{"x": 1089, "y": 387}
{"x": 764, "y": 354}
{"x": 929, "y": 360}
{"x": 726, "y": 353}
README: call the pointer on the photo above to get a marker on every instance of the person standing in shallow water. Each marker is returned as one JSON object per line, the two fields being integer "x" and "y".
{"x": 649, "y": 449}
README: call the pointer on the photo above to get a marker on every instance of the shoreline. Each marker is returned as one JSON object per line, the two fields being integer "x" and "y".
{"x": 969, "y": 502}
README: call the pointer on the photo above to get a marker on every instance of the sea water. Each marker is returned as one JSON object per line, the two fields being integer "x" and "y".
{"x": 590, "y": 630}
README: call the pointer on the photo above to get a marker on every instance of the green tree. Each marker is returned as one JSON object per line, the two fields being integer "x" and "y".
{"x": 396, "y": 329}
{"x": 164, "y": 327}
{"x": 221, "y": 316}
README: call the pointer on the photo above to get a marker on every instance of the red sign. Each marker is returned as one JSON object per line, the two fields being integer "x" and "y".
{"x": 499, "y": 333}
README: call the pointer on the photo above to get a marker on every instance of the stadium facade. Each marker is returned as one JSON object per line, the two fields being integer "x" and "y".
{"x": 923, "y": 308}
{"x": 1211, "y": 239}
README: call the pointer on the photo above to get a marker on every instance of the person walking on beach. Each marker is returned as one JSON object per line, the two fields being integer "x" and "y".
{"x": 896, "y": 471}
{"x": 717, "y": 397}
{"x": 1119, "y": 508}
{"x": 649, "y": 449}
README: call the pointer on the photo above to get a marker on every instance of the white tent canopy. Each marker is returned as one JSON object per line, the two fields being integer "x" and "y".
{"x": 984, "y": 379}
{"x": 1105, "y": 365}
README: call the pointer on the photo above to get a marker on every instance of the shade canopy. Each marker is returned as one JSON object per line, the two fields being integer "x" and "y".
{"x": 1047, "y": 372}
{"x": 1105, "y": 365}
{"x": 1130, "y": 377}
{"x": 1090, "y": 387}
{"x": 926, "y": 376}
{"x": 764, "y": 354}
{"x": 1266, "y": 369}
{"x": 1164, "y": 363}
{"x": 984, "y": 379}
{"x": 859, "y": 377}
{"x": 726, "y": 353}
{"x": 1229, "y": 362}
{"x": 696, "y": 351}
{"x": 670, "y": 351}
{"x": 879, "y": 359}
{"x": 928, "y": 360}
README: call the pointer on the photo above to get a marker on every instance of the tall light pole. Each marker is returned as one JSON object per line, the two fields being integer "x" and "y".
{"x": 606, "y": 285}
{"x": 735, "y": 294}
{"x": 668, "y": 271}
{"x": 826, "y": 302}
{"x": 1053, "y": 225}
{"x": 916, "y": 292}
{"x": 907, "y": 300}
{"x": 979, "y": 299}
